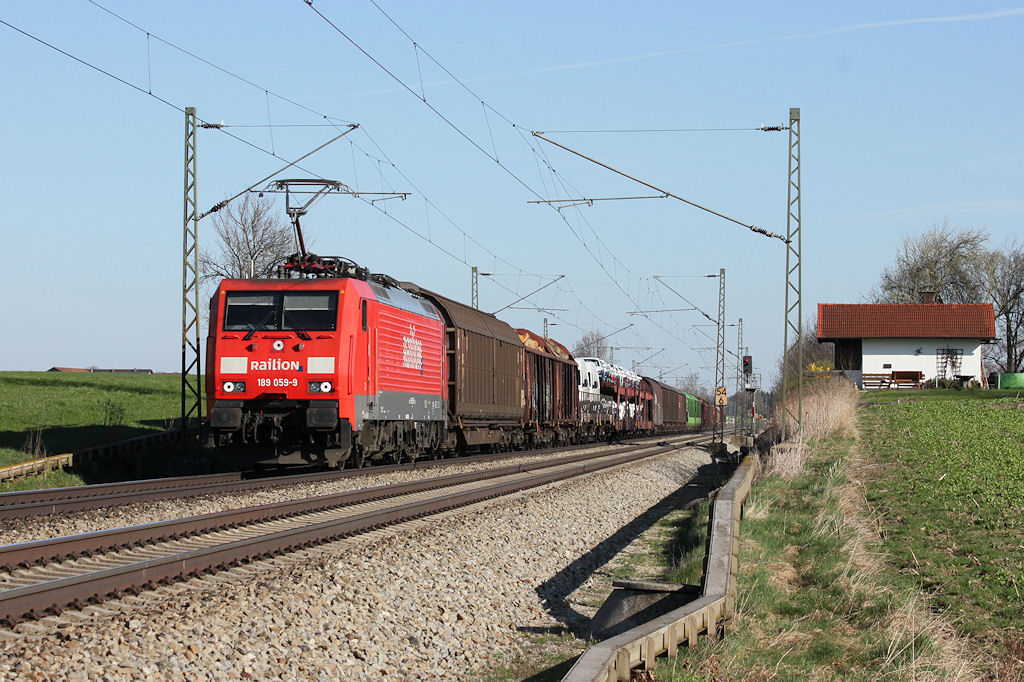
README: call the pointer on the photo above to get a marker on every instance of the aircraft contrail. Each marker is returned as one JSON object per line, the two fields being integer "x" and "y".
{"x": 997, "y": 14}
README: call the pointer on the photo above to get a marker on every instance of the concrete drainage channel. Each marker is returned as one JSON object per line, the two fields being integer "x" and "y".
{"x": 616, "y": 657}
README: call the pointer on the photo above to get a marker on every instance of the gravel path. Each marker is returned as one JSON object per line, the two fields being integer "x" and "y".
{"x": 431, "y": 599}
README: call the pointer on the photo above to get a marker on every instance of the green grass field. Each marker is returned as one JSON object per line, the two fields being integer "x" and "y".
{"x": 950, "y": 494}
{"x": 76, "y": 411}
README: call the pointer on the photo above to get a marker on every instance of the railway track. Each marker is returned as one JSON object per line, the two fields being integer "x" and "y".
{"x": 47, "y": 576}
{"x": 27, "y": 503}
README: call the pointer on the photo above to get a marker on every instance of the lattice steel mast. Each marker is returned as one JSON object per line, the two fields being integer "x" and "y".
{"x": 793, "y": 359}
{"x": 717, "y": 433}
{"x": 191, "y": 386}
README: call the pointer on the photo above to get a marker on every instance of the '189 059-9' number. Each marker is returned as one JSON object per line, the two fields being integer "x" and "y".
{"x": 277, "y": 383}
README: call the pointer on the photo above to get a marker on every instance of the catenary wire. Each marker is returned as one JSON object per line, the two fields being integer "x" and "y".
{"x": 273, "y": 154}
{"x": 310, "y": 110}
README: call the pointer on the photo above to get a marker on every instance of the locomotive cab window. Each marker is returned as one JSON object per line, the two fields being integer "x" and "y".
{"x": 310, "y": 311}
{"x": 278, "y": 311}
{"x": 244, "y": 311}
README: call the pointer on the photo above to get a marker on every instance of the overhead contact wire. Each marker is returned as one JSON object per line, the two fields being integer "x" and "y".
{"x": 333, "y": 121}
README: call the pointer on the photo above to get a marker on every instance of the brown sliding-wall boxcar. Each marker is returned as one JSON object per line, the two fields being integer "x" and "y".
{"x": 551, "y": 410}
{"x": 485, "y": 375}
{"x": 673, "y": 407}
{"x": 654, "y": 418}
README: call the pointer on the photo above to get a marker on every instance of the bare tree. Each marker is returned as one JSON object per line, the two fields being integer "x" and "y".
{"x": 691, "y": 384}
{"x": 1001, "y": 274}
{"x": 940, "y": 260}
{"x": 251, "y": 239}
{"x": 960, "y": 269}
{"x": 592, "y": 345}
{"x": 815, "y": 354}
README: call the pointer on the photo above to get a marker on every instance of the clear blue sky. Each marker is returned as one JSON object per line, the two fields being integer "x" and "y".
{"x": 911, "y": 116}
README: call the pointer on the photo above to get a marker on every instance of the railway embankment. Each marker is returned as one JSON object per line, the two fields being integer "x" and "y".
{"x": 64, "y": 429}
{"x": 890, "y": 546}
{"x": 450, "y": 597}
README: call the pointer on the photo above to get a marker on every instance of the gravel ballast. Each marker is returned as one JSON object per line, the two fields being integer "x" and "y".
{"x": 439, "y": 598}
{"x": 72, "y": 523}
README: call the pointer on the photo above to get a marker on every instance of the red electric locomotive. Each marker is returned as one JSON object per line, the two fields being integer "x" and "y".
{"x": 330, "y": 365}
{"x": 326, "y": 370}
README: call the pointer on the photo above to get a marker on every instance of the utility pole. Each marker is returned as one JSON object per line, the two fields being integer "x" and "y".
{"x": 793, "y": 360}
{"x": 545, "y": 329}
{"x": 721, "y": 392}
{"x": 191, "y": 388}
{"x": 474, "y": 290}
{"x": 747, "y": 411}
{"x": 737, "y": 414}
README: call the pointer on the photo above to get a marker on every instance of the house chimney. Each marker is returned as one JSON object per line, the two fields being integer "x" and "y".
{"x": 927, "y": 296}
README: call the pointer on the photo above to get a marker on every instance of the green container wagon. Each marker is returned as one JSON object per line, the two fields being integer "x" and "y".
{"x": 692, "y": 411}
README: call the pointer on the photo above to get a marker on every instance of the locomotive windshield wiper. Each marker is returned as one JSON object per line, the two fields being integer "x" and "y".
{"x": 297, "y": 328}
{"x": 259, "y": 324}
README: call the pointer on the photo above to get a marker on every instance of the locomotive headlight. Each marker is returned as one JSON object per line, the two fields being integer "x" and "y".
{"x": 233, "y": 386}
{"x": 278, "y": 345}
{"x": 320, "y": 387}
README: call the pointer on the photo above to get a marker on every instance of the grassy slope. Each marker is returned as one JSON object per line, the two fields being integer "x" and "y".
{"x": 805, "y": 610}
{"x": 843, "y": 569}
{"x": 76, "y": 411}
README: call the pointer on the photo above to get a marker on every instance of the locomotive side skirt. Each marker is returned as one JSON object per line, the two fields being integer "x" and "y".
{"x": 387, "y": 405}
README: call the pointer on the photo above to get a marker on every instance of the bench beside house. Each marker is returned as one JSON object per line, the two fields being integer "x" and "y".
{"x": 903, "y": 345}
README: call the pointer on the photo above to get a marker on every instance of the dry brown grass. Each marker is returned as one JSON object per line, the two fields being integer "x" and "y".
{"x": 830, "y": 408}
{"x": 786, "y": 460}
{"x": 909, "y": 619}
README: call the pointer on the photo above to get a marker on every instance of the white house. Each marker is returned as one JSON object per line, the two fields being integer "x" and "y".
{"x": 890, "y": 344}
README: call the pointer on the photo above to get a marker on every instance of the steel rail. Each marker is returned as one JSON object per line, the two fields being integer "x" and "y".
{"x": 26, "y": 503}
{"x": 37, "y": 599}
{"x": 55, "y": 549}
{"x": 99, "y": 489}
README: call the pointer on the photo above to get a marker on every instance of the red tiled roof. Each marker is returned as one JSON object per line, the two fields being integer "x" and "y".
{"x": 906, "y": 321}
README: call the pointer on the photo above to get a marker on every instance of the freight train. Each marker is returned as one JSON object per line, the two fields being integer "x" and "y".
{"x": 332, "y": 365}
